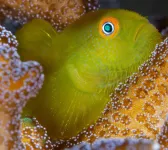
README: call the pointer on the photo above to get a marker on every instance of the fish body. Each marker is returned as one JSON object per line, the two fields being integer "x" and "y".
{"x": 83, "y": 65}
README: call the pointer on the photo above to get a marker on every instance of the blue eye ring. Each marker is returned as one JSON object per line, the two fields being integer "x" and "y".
{"x": 108, "y": 28}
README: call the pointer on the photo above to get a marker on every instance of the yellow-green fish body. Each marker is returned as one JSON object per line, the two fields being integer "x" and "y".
{"x": 83, "y": 65}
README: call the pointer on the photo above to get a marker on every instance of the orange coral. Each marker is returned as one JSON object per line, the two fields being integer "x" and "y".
{"x": 59, "y": 13}
{"x": 137, "y": 108}
{"x": 19, "y": 81}
{"x": 34, "y": 136}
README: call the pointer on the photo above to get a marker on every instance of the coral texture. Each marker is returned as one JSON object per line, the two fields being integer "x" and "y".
{"x": 59, "y": 13}
{"x": 34, "y": 136}
{"x": 19, "y": 81}
{"x": 118, "y": 144}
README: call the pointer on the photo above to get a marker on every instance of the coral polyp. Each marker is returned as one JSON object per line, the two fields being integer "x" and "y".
{"x": 118, "y": 144}
{"x": 82, "y": 66}
{"x": 59, "y": 13}
{"x": 19, "y": 81}
{"x": 34, "y": 136}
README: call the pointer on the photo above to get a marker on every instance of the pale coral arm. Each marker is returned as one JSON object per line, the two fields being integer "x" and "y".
{"x": 19, "y": 81}
{"x": 118, "y": 144}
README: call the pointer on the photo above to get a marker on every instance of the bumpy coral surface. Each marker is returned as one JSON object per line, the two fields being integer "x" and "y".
{"x": 162, "y": 137}
{"x": 138, "y": 107}
{"x": 59, "y": 13}
{"x": 19, "y": 81}
{"x": 34, "y": 136}
{"x": 118, "y": 144}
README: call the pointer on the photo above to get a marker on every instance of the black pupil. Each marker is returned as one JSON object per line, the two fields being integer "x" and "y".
{"x": 108, "y": 27}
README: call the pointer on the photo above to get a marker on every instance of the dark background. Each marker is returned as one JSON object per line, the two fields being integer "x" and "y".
{"x": 155, "y": 10}
{"x": 144, "y": 7}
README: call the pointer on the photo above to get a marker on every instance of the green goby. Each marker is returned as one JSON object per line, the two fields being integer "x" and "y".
{"x": 83, "y": 65}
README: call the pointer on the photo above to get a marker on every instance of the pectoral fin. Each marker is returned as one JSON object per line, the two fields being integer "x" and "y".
{"x": 35, "y": 42}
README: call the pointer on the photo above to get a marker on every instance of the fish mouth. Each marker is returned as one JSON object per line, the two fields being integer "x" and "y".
{"x": 138, "y": 31}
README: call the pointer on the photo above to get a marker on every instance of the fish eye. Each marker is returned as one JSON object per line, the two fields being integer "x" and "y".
{"x": 108, "y": 28}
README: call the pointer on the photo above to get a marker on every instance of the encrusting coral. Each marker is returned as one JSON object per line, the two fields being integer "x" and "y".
{"x": 34, "y": 136}
{"x": 117, "y": 144}
{"x": 59, "y": 13}
{"x": 19, "y": 81}
{"x": 162, "y": 137}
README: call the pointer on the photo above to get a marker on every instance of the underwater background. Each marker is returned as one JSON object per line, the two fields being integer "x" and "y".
{"x": 155, "y": 10}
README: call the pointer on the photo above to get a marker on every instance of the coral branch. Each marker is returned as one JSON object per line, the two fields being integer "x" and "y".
{"x": 59, "y": 13}
{"x": 162, "y": 137}
{"x": 19, "y": 81}
{"x": 34, "y": 136}
{"x": 118, "y": 144}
